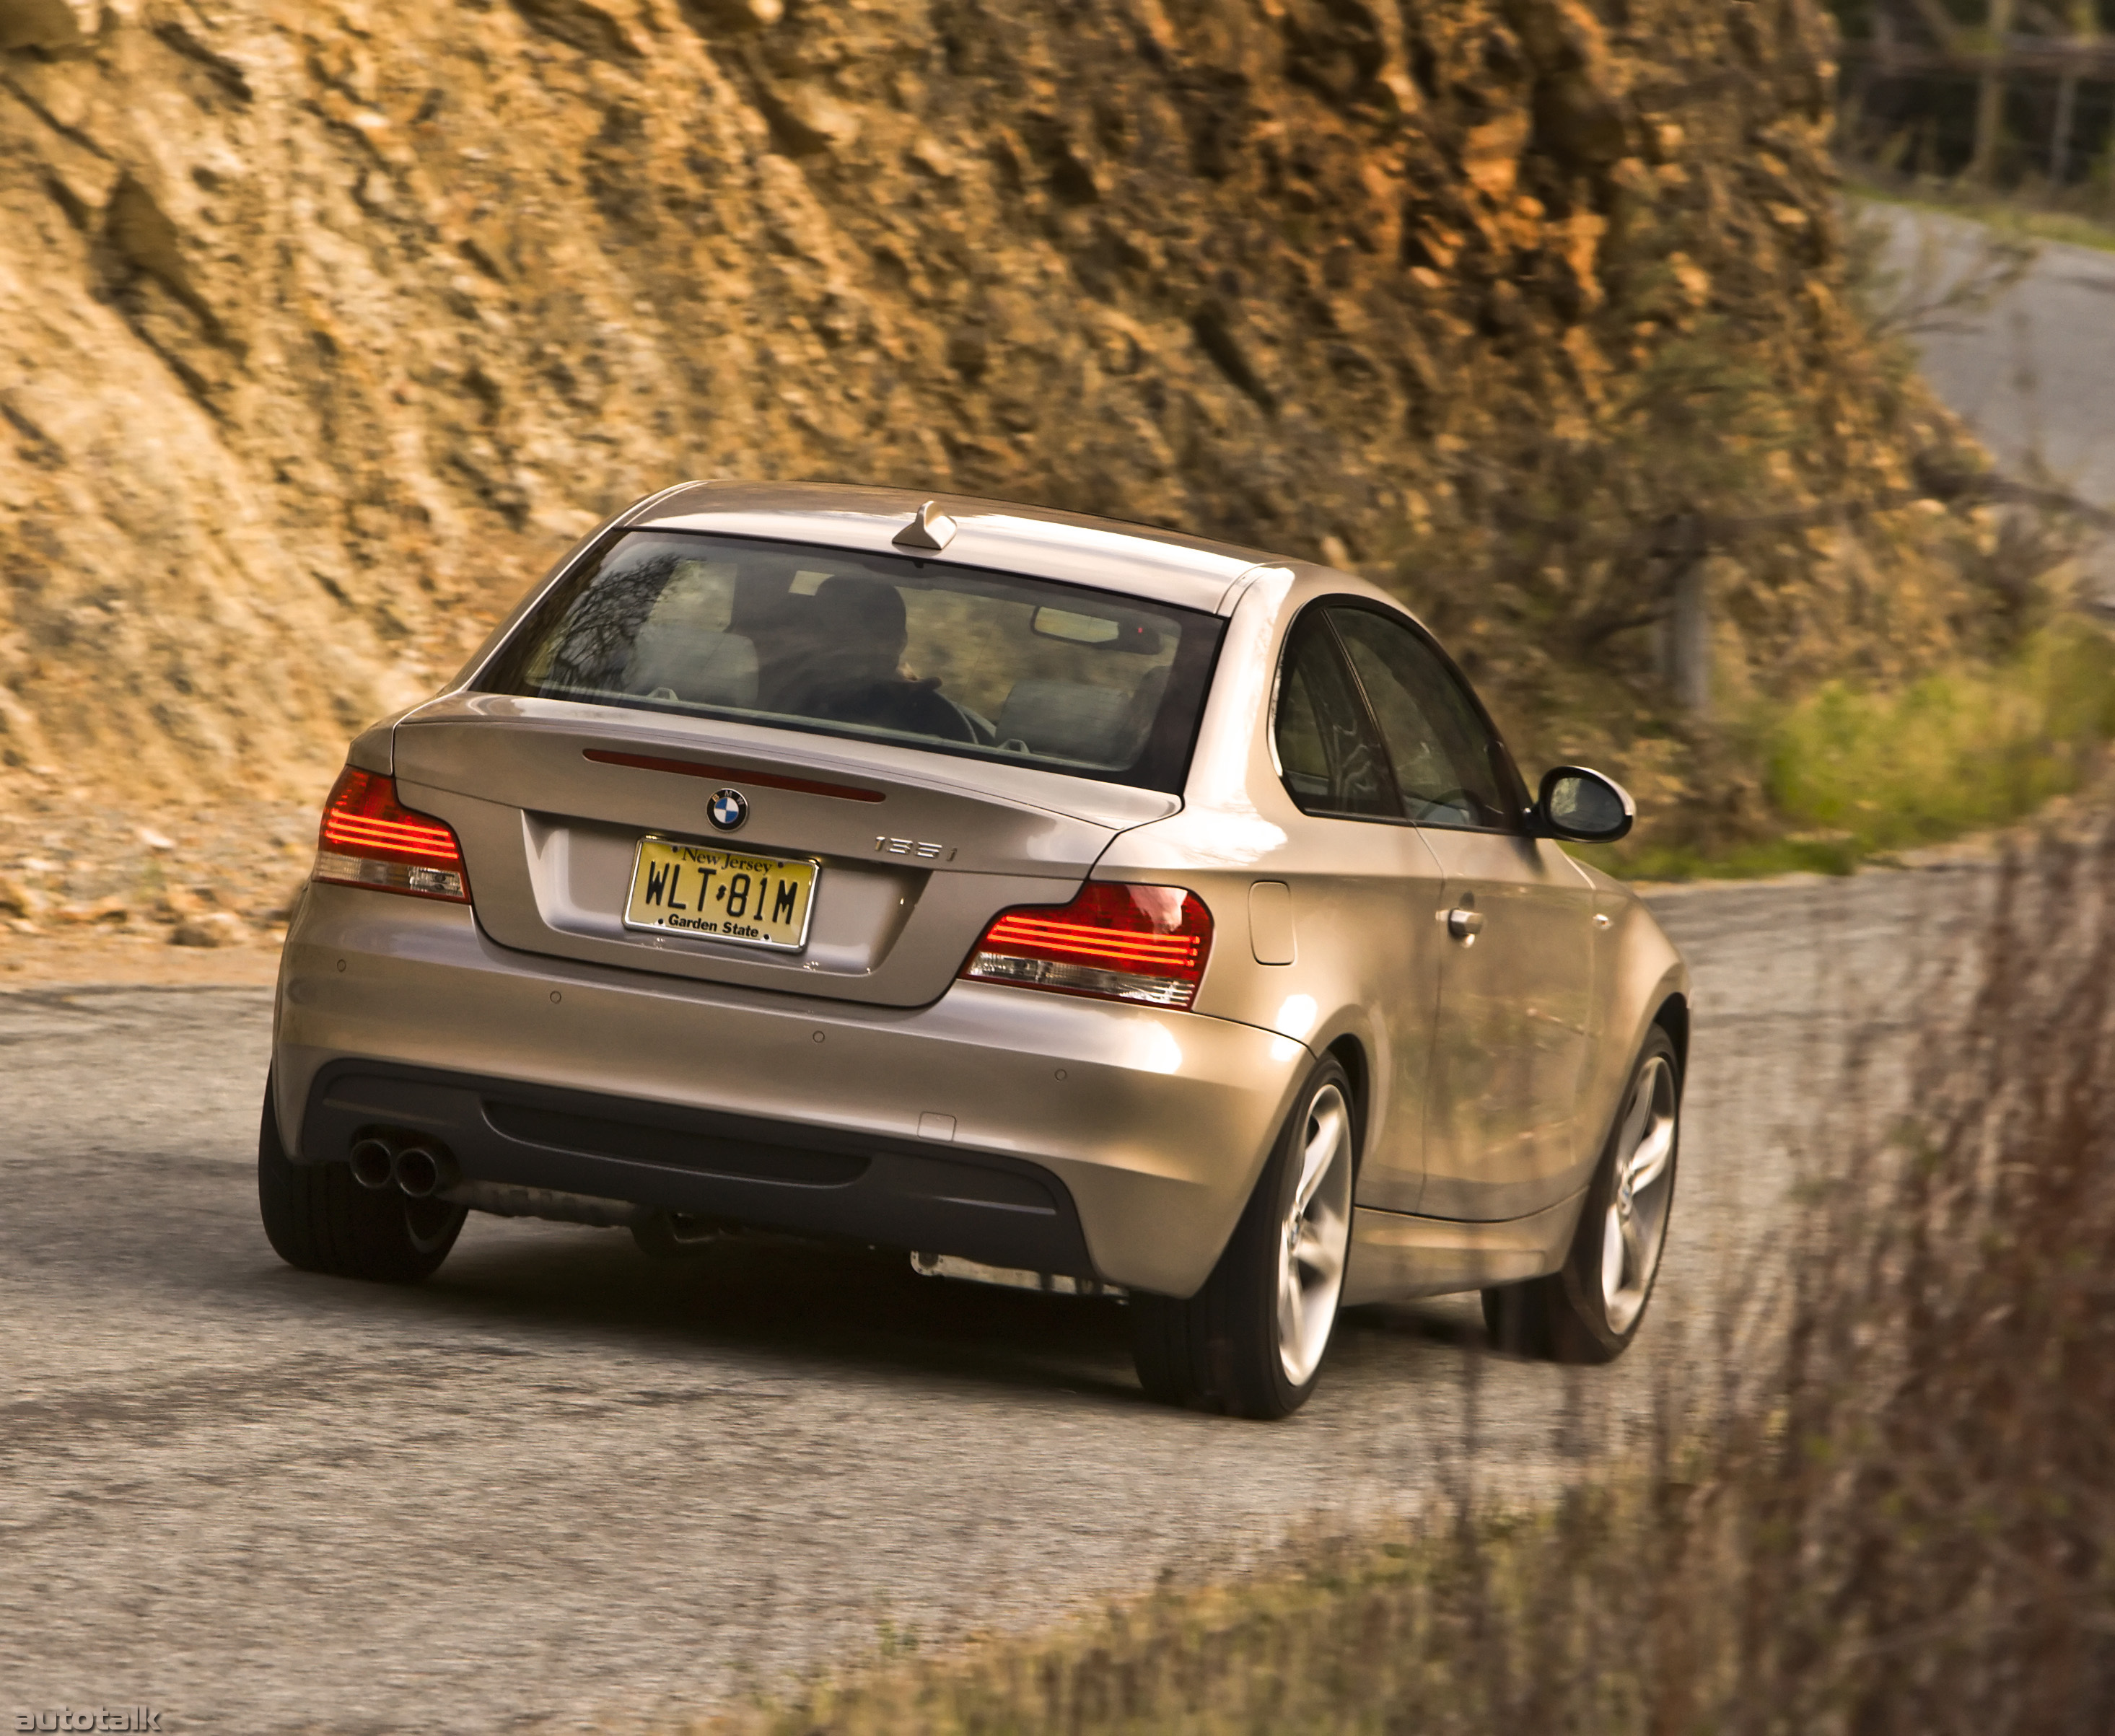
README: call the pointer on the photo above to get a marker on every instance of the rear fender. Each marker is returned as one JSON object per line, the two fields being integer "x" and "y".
{"x": 1643, "y": 979}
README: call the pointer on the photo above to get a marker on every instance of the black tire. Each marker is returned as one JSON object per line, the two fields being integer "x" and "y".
{"x": 1566, "y": 1317}
{"x": 319, "y": 1220}
{"x": 1221, "y": 1350}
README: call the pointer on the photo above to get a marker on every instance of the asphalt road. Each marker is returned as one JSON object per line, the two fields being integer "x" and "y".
{"x": 2033, "y": 374}
{"x": 562, "y": 1484}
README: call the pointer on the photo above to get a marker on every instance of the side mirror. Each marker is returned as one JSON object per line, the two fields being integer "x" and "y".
{"x": 1582, "y": 804}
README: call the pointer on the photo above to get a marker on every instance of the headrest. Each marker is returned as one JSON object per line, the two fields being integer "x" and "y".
{"x": 860, "y": 608}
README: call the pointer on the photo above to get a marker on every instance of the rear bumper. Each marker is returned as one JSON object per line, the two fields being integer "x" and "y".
{"x": 984, "y": 1205}
{"x": 1012, "y": 1128}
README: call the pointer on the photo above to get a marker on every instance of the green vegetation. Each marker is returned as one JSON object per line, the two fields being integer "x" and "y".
{"x": 1896, "y": 1520}
{"x": 1855, "y": 773}
{"x": 1952, "y": 752}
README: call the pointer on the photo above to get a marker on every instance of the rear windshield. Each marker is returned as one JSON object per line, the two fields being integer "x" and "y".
{"x": 888, "y": 647}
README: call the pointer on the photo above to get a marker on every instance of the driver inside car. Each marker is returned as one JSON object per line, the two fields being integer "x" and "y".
{"x": 845, "y": 664}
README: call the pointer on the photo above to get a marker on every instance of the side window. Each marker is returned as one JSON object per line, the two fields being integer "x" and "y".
{"x": 1332, "y": 763}
{"x": 1449, "y": 765}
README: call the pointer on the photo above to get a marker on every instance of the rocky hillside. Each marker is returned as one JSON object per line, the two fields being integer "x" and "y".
{"x": 325, "y": 323}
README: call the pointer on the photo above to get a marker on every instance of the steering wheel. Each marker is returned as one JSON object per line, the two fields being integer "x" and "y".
{"x": 982, "y": 731}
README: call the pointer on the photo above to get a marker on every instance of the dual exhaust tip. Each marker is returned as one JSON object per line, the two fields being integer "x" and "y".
{"x": 417, "y": 1169}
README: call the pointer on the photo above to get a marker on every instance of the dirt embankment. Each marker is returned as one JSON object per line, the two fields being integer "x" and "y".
{"x": 324, "y": 326}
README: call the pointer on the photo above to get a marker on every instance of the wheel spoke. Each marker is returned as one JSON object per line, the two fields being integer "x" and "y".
{"x": 1323, "y": 1139}
{"x": 1291, "y": 1309}
{"x": 1318, "y": 1254}
{"x": 1649, "y": 1162}
{"x": 1634, "y": 1251}
{"x": 1639, "y": 1111}
{"x": 1612, "y": 1256}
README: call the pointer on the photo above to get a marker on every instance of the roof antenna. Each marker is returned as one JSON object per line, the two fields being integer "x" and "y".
{"x": 928, "y": 529}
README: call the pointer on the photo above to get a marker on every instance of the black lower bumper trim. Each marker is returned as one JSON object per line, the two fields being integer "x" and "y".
{"x": 914, "y": 1194}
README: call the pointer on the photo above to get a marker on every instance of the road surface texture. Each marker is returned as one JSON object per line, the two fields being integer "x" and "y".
{"x": 2033, "y": 374}
{"x": 562, "y": 1485}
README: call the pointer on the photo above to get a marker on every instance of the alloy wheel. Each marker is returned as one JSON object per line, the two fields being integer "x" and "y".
{"x": 1635, "y": 1228}
{"x": 1316, "y": 1236}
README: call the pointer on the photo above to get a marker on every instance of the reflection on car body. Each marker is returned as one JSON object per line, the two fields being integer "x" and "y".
{"x": 1061, "y": 902}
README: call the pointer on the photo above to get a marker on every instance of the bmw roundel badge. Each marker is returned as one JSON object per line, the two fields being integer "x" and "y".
{"x": 729, "y": 808}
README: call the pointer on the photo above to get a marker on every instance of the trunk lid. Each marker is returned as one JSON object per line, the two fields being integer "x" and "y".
{"x": 918, "y": 850}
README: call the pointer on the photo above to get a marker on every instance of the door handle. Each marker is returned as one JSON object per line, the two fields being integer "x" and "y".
{"x": 1465, "y": 923}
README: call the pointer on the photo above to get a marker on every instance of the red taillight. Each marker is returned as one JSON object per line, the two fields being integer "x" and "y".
{"x": 369, "y": 839}
{"x": 1115, "y": 942}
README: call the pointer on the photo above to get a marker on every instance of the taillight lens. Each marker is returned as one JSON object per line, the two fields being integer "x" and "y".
{"x": 1114, "y": 942}
{"x": 369, "y": 839}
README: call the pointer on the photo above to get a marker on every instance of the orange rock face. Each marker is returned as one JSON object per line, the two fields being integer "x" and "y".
{"x": 325, "y": 324}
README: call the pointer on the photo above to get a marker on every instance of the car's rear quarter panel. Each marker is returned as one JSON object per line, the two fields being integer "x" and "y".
{"x": 1362, "y": 895}
{"x": 1640, "y": 972}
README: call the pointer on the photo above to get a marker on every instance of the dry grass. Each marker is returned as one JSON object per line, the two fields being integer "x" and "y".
{"x": 1898, "y": 1521}
{"x": 2036, "y": 213}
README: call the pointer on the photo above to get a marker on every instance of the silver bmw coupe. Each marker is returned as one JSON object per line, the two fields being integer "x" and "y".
{"x": 1059, "y": 901}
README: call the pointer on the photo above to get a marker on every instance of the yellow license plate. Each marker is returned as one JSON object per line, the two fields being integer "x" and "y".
{"x": 721, "y": 895}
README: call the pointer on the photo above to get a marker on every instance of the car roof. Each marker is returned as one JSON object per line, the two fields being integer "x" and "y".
{"x": 1103, "y": 554}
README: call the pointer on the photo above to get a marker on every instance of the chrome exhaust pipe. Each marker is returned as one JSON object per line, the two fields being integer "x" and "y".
{"x": 372, "y": 1166}
{"x": 421, "y": 1172}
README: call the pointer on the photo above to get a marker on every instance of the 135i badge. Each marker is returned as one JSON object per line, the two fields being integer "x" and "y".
{"x": 913, "y": 847}
{"x": 728, "y": 809}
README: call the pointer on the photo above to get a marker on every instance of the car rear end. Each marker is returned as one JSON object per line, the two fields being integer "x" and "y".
{"x": 746, "y": 878}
